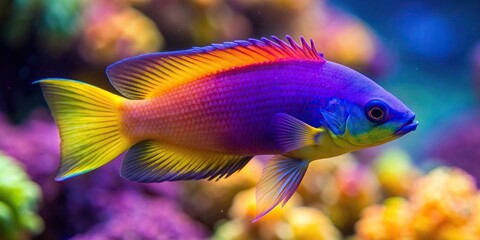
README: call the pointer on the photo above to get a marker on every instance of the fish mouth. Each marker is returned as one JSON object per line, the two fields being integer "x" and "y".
{"x": 409, "y": 126}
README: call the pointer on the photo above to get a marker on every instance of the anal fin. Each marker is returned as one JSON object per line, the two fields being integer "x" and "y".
{"x": 280, "y": 178}
{"x": 152, "y": 161}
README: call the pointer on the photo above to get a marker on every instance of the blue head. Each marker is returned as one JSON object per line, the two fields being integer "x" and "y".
{"x": 361, "y": 113}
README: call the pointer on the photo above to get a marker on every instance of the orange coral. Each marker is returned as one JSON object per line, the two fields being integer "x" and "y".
{"x": 395, "y": 172}
{"x": 386, "y": 222}
{"x": 442, "y": 205}
{"x": 111, "y": 33}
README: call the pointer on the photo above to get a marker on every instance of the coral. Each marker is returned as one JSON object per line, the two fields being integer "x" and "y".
{"x": 19, "y": 200}
{"x": 338, "y": 34}
{"x": 36, "y": 145}
{"x": 290, "y": 222}
{"x": 309, "y": 223}
{"x": 96, "y": 203}
{"x": 383, "y": 222}
{"x": 353, "y": 187}
{"x": 132, "y": 216}
{"x": 56, "y": 24}
{"x": 318, "y": 176}
{"x": 395, "y": 172}
{"x": 243, "y": 211}
{"x": 441, "y": 205}
{"x": 460, "y": 148}
{"x": 209, "y": 201}
{"x": 330, "y": 197}
{"x": 112, "y": 32}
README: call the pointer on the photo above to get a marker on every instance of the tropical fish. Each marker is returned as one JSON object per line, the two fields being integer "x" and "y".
{"x": 204, "y": 113}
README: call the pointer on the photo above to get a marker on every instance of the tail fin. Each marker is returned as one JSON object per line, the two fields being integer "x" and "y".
{"x": 89, "y": 121}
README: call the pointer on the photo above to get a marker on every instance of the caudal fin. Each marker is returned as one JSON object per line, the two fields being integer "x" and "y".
{"x": 89, "y": 121}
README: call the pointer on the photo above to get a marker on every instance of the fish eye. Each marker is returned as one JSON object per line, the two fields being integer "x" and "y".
{"x": 376, "y": 111}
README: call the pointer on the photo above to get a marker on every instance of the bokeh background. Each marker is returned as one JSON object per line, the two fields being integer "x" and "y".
{"x": 422, "y": 186}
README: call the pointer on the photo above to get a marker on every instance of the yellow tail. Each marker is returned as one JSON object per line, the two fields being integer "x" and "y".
{"x": 90, "y": 125}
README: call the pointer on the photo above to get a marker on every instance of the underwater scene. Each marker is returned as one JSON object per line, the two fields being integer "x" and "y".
{"x": 210, "y": 134}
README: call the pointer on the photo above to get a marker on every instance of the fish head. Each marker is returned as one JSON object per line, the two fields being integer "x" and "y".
{"x": 378, "y": 121}
{"x": 364, "y": 114}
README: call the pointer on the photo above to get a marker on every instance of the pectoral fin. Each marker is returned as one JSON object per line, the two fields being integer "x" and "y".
{"x": 292, "y": 134}
{"x": 335, "y": 115}
{"x": 279, "y": 180}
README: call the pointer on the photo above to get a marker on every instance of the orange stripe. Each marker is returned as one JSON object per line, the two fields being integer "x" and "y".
{"x": 154, "y": 74}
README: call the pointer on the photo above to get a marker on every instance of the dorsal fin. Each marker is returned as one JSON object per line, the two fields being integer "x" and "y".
{"x": 149, "y": 75}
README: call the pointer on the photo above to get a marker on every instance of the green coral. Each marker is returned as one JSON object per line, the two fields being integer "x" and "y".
{"x": 19, "y": 199}
{"x": 53, "y": 22}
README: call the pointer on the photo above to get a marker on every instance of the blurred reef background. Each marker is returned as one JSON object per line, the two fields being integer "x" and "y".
{"x": 422, "y": 186}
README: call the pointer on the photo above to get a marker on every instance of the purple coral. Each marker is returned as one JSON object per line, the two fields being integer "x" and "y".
{"x": 132, "y": 216}
{"x": 35, "y": 144}
{"x": 460, "y": 146}
{"x": 97, "y": 205}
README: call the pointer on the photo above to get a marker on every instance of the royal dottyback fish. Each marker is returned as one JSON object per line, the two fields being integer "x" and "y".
{"x": 204, "y": 113}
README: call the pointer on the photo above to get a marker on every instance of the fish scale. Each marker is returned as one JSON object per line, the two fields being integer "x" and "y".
{"x": 228, "y": 108}
{"x": 203, "y": 113}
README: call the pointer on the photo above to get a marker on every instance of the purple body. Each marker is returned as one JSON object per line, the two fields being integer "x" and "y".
{"x": 231, "y": 111}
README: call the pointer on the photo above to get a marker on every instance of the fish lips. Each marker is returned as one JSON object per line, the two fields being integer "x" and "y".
{"x": 409, "y": 126}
